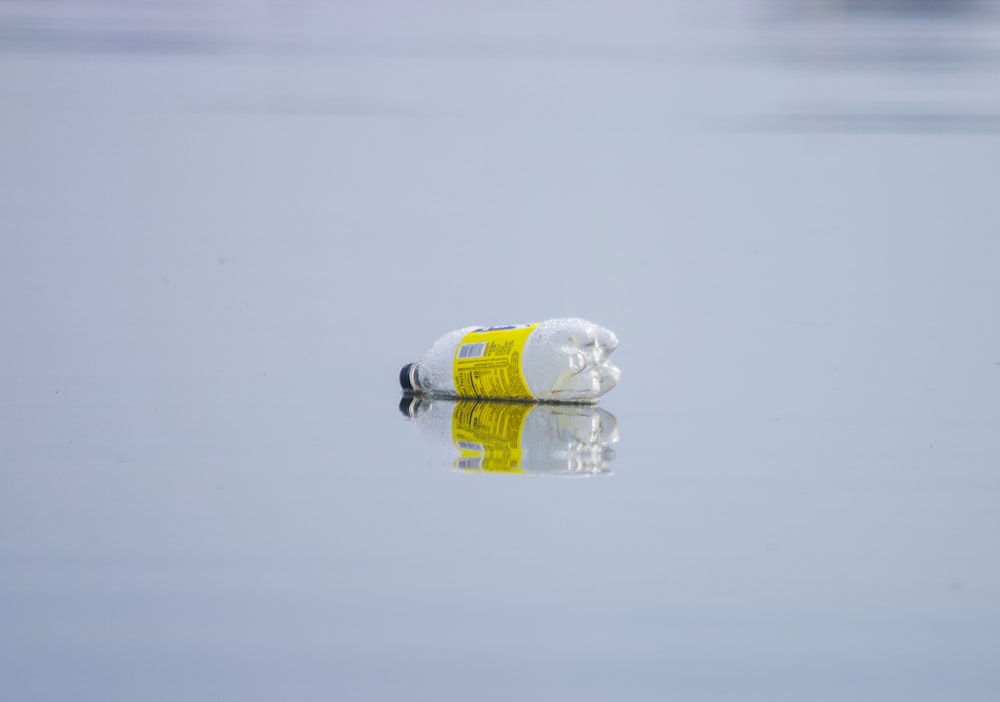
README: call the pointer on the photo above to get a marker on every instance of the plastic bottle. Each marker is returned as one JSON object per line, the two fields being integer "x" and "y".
{"x": 560, "y": 360}
{"x": 483, "y": 436}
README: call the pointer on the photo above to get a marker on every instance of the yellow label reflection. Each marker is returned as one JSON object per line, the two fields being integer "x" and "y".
{"x": 488, "y": 435}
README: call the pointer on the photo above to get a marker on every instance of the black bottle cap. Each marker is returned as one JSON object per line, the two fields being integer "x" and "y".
{"x": 404, "y": 378}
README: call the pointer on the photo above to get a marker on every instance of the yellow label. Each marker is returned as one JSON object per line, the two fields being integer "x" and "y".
{"x": 488, "y": 363}
{"x": 488, "y": 435}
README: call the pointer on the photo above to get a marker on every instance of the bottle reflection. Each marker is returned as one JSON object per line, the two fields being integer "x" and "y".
{"x": 507, "y": 437}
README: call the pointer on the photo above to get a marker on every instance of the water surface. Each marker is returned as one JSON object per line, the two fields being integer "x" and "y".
{"x": 223, "y": 229}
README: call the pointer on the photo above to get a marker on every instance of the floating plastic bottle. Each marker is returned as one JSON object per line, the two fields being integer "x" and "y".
{"x": 482, "y": 436}
{"x": 560, "y": 360}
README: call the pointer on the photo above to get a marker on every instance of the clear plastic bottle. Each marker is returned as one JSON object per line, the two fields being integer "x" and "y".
{"x": 482, "y": 436}
{"x": 559, "y": 360}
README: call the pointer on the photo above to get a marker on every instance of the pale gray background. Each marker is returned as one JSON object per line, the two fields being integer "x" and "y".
{"x": 225, "y": 226}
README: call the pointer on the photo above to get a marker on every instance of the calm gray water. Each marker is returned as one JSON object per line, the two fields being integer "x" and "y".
{"x": 224, "y": 227}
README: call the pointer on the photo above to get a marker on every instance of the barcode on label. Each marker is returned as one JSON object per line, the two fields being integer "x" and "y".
{"x": 472, "y": 350}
